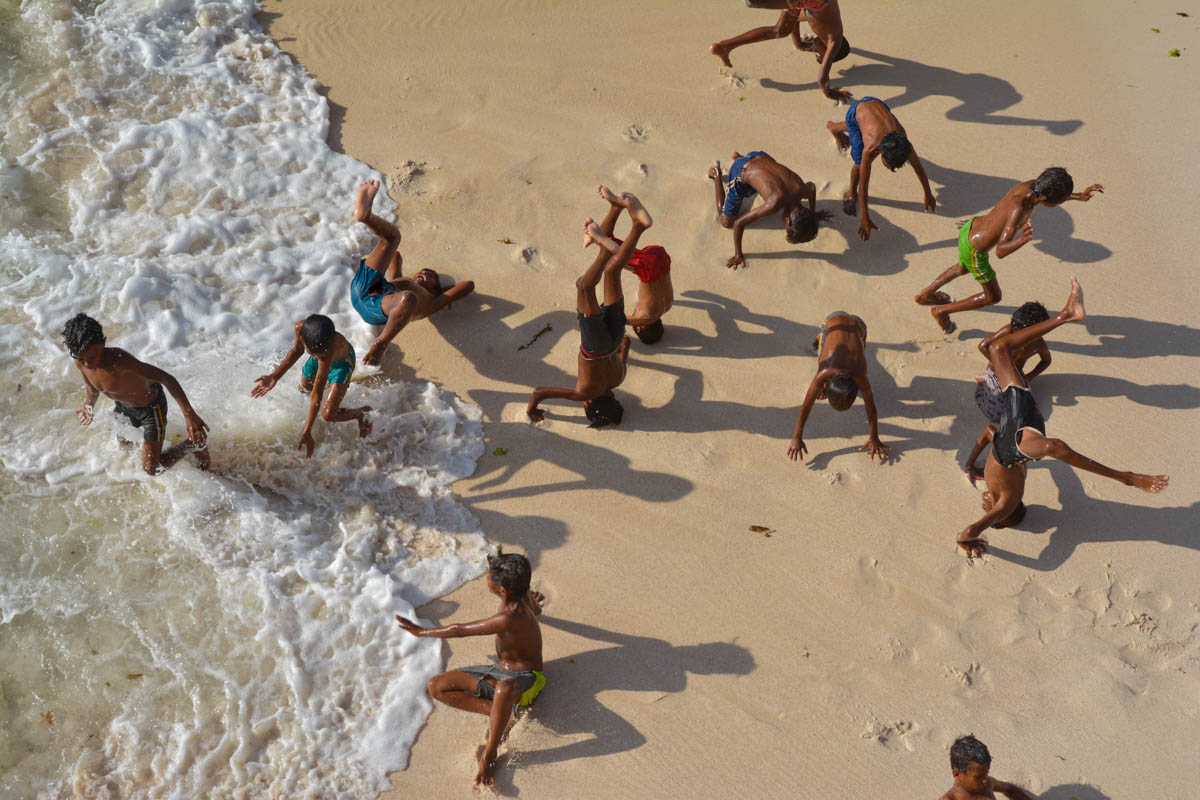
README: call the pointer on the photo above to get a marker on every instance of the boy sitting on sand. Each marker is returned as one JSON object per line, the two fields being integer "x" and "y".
{"x": 1021, "y": 434}
{"x": 381, "y": 294}
{"x": 330, "y": 360}
{"x": 969, "y": 764}
{"x": 988, "y": 396}
{"x": 497, "y": 691}
{"x": 137, "y": 390}
{"x": 827, "y": 41}
{"x": 1008, "y": 228}
{"x": 782, "y": 191}
{"x": 603, "y": 345}
{"x": 841, "y": 375}
{"x": 872, "y": 130}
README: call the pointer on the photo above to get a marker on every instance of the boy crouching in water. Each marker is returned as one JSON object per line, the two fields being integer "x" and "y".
{"x": 137, "y": 390}
{"x": 969, "y": 763}
{"x": 330, "y": 360}
{"x": 497, "y": 691}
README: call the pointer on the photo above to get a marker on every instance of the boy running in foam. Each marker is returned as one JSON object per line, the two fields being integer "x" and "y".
{"x": 1021, "y": 434}
{"x": 969, "y": 764}
{"x": 603, "y": 345}
{"x": 782, "y": 191}
{"x": 841, "y": 375}
{"x": 988, "y": 395}
{"x": 381, "y": 294}
{"x": 497, "y": 691}
{"x": 827, "y": 42}
{"x": 330, "y": 360}
{"x": 1008, "y": 228}
{"x": 137, "y": 390}
{"x": 871, "y": 129}
{"x": 652, "y": 265}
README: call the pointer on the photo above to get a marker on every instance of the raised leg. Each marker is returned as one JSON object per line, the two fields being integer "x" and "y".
{"x": 609, "y": 223}
{"x": 1037, "y": 446}
{"x": 383, "y": 255}
{"x": 1000, "y": 349}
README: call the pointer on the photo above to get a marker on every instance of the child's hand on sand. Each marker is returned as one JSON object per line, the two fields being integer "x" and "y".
{"x": 874, "y": 447}
{"x": 736, "y": 261}
{"x": 796, "y": 448}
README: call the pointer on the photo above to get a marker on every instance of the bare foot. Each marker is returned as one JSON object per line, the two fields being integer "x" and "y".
{"x": 842, "y": 139}
{"x": 849, "y": 204}
{"x": 607, "y": 194}
{"x": 720, "y": 52}
{"x": 804, "y": 43}
{"x": 933, "y": 299}
{"x": 203, "y": 459}
{"x": 364, "y": 425}
{"x": 636, "y": 209}
{"x": 365, "y": 199}
{"x": 593, "y": 235}
{"x": 1074, "y": 308}
{"x": 943, "y": 320}
{"x": 735, "y": 155}
{"x": 486, "y": 776}
{"x": 1149, "y": 483}
{"x": 714, "y": 170}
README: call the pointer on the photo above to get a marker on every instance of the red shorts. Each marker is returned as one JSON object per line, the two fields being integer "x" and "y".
{"x": 649, "y": 263}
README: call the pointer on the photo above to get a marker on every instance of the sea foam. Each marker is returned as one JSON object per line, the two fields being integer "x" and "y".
{"x": 227, "y": 634}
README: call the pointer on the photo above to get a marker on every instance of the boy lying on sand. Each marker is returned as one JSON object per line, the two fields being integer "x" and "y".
{"x": 827, "y": 41}
{"x": 496, "y": 691}
{"x": 1021, "y": 435}
{"x": 603, "y": 345}
{"x": 137, "y": 390}
{"x": 1008, "y": 228}
{"x": 841, "y": 375}
{"x": 871, "y": 130}
{"x": 330, "y": 361}
{"x": 386, "y": 297}
{"x": 969, "y": 764}
{"x": 782, "y": 191}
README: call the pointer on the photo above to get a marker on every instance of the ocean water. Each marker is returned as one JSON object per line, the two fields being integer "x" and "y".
{"x": 163, "y": 167}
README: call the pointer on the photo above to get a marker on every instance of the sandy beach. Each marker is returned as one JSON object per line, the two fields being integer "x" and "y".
{"x": 688, "y": 655}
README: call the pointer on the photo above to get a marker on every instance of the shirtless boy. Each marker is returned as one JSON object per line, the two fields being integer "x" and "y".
{"x": 496, "y": 691}
{"x": 137, "y": 390}
{"x": 782, "y": 191}
{"x": 827, "y": 41}
{"x": 1021, "y": 434}
{"x": 1008, "y": 228}
{"x": 969, "y": 764}
{"x": 988, "y": 395}
{"x": 871, "y": 130}
{"x": 330, "y": 361}
{"x": 603, "y": 345}
{"x": 380, "y": 293}
{"x": 841, "y": 375}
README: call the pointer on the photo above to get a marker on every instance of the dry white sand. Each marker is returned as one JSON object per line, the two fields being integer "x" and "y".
{"x": 688, "y": 656}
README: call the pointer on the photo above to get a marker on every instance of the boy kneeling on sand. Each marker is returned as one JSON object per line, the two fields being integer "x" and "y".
{"x": 496, "y": 690}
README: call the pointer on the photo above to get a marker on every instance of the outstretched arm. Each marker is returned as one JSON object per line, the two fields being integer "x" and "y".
{"x": 919, "y": 168}
{"x": 796, "y": 448}
{"x": 455, "y": 292}
{"x": 765, "y": 210}
{"x": 552, "y": 393}
{"x": 266, "y": 383}
{"x": 493, "y": 625}
{"x": 1087, "y": 193}
{"x": 404, "y": 307}
{"x": 196, "y": 427}
{"x": 874, "y": 447}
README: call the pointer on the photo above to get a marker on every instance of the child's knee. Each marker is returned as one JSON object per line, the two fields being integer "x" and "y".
{"x": 507, "y": 689}
{"x": 1055, "y": 448}
{"x": 328, "y": 412}
{"x": 991, "y": 290}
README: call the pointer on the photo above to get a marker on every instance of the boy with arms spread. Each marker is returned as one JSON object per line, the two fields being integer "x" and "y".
{"x": 969, "y": 764}
{"x": 1008, "y": 228}
{"x": 988, "y": 395}
{"x": 782, "y": 191}
{"x": 330, "y": 360}
{"x": 841, "y": 375}
{"x": 827, "y": 41}
{"x": 137, "y": 390}
{"x": 1021, "y": 434}
{"x": 496, "y": 691}
{"x": 871, "y": 129}
{"x": 603, "y": 345}
{"x": 380, "y": 293}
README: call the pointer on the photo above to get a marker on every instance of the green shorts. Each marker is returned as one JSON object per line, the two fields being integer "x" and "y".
{"x": 340, "y": 372}
{"x": 975, "y": 261}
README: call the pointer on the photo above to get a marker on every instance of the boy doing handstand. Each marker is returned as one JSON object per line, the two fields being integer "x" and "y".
{"x": 496, "y": 691}
{"x": 137, "y": 390}
{"x": 330, "y": 361}
{"x": 603, "y": 345}
{"x": 1007, "y": 227}
{"x": 380, "y": 293}
{"x": 841, "y": 375}
{"x": 969, "y": 764}
{"x": 1021, "y": 434}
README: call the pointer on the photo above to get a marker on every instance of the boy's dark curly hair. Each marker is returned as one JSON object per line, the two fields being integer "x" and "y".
{"x": 968, "y": 750}
{"x": 1054, "y": 185}
{"x": 511, "y": 572}
{"x": 1031, "y": 313}
{"x": 80, "y": 333}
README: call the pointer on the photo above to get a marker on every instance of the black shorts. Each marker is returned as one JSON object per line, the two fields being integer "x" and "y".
{"x": 152, "y": 418}
{"x": 601, "y": 334}
{"x": 1020, "y": 412}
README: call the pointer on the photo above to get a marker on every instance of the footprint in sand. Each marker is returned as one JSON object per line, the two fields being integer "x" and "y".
{"x": 636, "y": 132}
{"x": 892, "y": 735}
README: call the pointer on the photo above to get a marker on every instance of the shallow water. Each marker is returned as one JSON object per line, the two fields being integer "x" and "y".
{"x": 163, "y": 167}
